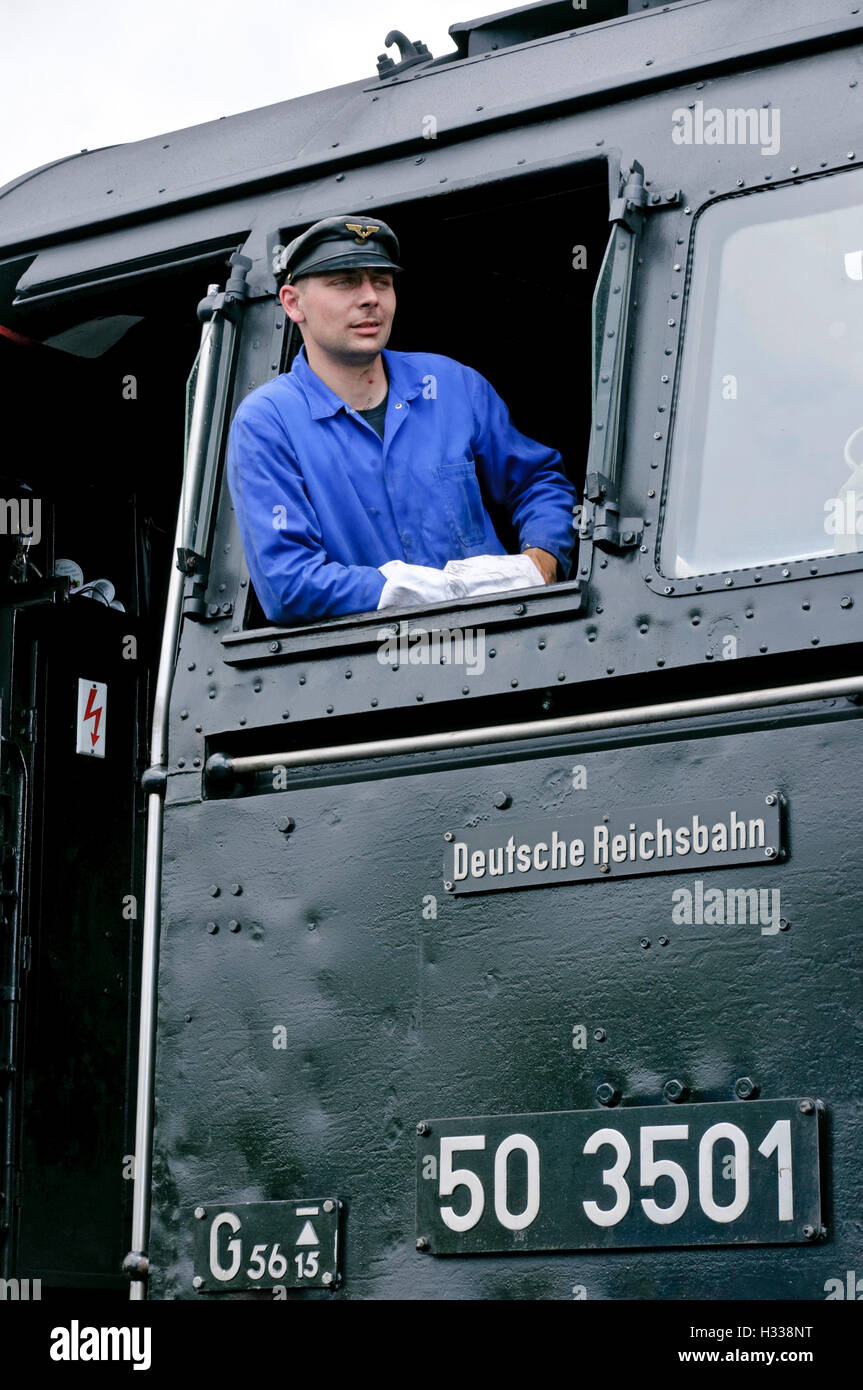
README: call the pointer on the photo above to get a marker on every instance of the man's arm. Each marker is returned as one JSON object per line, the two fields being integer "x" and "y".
{"x": 546, "y": 563}
{"x": 293, "y": 578}
{"x": 525, "y": 478}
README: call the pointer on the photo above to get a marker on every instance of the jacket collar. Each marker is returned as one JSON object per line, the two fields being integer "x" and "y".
{"x": 405, "y": 382}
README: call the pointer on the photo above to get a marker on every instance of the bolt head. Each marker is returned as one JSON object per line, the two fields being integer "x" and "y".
{"x": 809, "y": 1232}
{"x": 197, "y": 1282}
{"x": 675, "y": 1090}
{"x": 599, "y": 1034}
{"x": 285, "y": 824}
{"x": 200, "y": 1213}
{"x": 770, "y": 800}
{"x": 329, "y": 1205}
{"x": 806, "y": 1107}
{"x": 326, "y": 1278}
{"x": 607, "y": 1094}
{"x": 422, "y": 1243}
{"x": 422, "y": 1127}
{"x": 645, "y": 943}
{"x": 447, "y": 835}
{"x": 448, "y": 887}
{"x": 502, "y": 800}
{"x": 745, "y": 1088}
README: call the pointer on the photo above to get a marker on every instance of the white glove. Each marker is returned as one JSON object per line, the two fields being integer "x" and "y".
{"x": 410, "y": 585}
{"x": 493, "y": 574}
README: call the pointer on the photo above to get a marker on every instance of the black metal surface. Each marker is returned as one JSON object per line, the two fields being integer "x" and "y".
{"x": 401, "y": 1002}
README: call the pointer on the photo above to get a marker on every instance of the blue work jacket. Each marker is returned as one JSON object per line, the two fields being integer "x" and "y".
{"x": 322, "y": 501}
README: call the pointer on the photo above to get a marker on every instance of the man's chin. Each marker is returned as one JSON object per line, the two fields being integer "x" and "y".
{"x": 360, "y": 347}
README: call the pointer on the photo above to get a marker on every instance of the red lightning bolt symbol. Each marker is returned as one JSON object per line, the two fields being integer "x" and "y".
{"x": 91, "y": 713}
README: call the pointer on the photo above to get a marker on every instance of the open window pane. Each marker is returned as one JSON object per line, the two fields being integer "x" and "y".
{"x": 768, "y": 439}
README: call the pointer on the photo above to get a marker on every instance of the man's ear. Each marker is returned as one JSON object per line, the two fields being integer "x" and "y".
{"x": 289, "y": 300}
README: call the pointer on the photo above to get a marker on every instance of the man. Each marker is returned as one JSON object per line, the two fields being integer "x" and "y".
{"x": 358, "y": 478}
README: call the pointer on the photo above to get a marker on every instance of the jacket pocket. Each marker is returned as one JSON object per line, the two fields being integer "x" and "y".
{"x": 461, "y": 495}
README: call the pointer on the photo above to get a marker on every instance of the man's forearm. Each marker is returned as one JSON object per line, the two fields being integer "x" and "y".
{"x": 545, "y": 562}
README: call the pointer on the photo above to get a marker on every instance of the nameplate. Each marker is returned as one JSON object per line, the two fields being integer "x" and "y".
{"x": 615, "y": 843}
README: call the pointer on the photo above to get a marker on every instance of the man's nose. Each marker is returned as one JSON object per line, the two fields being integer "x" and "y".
{"x": 367, "y": 289}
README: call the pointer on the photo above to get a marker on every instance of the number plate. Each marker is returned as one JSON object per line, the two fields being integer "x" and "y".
{"x": 663, "y": 1175}
{"x": 262, "y": 1245}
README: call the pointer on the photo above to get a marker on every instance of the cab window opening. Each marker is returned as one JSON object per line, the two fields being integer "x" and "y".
{"x": 503, "y": 284}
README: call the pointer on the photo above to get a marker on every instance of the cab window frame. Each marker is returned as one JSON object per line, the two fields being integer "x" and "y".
{"x": 566, "y": 597}
{"x": 674, "y": 362}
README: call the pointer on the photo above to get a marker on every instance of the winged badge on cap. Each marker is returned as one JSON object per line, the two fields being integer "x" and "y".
{"x": 362, "y": 232}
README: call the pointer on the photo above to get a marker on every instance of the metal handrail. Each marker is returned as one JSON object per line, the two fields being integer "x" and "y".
{"x": 221, "y": 766}
{"x": 213, "y": 343}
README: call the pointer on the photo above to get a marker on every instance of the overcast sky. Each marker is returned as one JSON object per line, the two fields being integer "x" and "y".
{"x": 86, "y": 73}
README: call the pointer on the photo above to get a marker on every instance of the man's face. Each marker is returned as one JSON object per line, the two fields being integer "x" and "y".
{"x": 345, "y": 313}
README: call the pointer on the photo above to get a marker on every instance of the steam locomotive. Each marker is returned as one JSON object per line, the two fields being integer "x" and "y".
{"x": 501, "y": 949}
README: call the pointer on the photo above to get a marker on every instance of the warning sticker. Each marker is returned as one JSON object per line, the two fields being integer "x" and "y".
{"x": 90, "y": 728}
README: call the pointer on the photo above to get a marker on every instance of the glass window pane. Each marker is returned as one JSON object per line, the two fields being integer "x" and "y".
{"x": 768, "y": 436}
